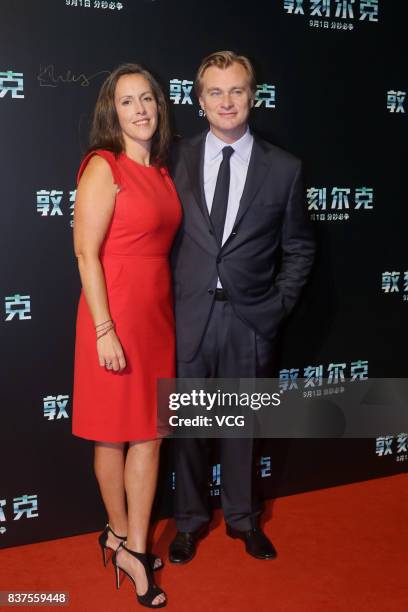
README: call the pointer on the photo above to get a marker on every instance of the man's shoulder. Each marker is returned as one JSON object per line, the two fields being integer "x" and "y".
{"x": 277, "y": 154}
{"x": 181, "y": 147}
{"x": 182, "y": 144}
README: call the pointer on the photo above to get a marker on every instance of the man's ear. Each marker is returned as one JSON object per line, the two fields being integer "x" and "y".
{"x": 252, "y": 101}
{"x": 201, "y": 102}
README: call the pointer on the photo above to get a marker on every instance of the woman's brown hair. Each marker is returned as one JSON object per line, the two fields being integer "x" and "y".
{"x": 106, "y": 132}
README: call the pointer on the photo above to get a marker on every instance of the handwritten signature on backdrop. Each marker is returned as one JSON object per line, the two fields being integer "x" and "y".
{"x": 49, "y": 78}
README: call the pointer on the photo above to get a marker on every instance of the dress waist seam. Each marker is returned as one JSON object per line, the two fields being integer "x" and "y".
{"x": 118, "y": 256}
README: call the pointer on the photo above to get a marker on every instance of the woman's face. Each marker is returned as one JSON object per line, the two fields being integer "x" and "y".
{"x": 136, "y": 108}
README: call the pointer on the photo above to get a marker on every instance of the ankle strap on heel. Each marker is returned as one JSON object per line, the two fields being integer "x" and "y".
{"x": 142, "y": 557}
{"x": 109, "y": 528}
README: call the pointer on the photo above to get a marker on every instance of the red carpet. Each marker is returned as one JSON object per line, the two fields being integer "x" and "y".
{"x": 344, "y": 548}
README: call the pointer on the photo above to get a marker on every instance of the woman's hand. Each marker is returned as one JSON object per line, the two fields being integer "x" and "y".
{"x": 110, "y": 352}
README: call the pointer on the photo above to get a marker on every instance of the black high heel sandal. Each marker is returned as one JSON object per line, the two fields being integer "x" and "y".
{"x": 103, "y": 538}
{"x": 152, "y": 589}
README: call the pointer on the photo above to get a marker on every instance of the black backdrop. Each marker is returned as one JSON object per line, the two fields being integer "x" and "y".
{"x": 334, "y": 94}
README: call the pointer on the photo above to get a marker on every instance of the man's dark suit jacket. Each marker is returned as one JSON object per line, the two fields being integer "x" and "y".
{"x": 266, "y": 260}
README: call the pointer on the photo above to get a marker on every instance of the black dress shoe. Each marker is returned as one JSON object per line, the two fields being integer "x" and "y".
{"x": 256, "y": 542}
{"x": 183, "y": 548}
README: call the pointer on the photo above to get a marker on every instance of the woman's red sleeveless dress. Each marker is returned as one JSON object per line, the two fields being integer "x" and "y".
{"x": 118, "y": 407}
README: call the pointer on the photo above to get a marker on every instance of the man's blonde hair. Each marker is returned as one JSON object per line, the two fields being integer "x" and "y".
{"x": 224, "y": 59}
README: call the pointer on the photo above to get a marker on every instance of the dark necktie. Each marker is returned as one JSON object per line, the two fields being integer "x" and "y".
{"x": 220, "y": 200}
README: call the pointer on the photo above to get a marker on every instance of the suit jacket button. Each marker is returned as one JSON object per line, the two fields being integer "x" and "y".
{"x": 211, "y": 232}
{"x": 211, "y": 291}
{"x": 219, "y": 259}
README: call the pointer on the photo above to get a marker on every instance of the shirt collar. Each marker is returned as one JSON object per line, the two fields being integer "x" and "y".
{"x": 242, "y": 147}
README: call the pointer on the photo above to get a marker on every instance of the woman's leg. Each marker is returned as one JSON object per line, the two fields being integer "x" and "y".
{"x": 109, "y": 464}
{"x": 141, "y": 469}
{"x": 142, "y": 464}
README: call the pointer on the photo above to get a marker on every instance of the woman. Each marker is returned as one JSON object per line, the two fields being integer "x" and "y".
{"x": 126, "y": 215}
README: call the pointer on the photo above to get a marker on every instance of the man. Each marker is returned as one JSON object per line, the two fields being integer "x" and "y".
{"x": 240, "y": 260}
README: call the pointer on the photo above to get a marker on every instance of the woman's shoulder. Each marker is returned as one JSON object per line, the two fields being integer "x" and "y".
{"x": 96, "y": 155}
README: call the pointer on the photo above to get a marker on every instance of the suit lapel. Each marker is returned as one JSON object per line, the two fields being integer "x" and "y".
{"x": 257, "y": 171}
{"x": 194, "y": 158}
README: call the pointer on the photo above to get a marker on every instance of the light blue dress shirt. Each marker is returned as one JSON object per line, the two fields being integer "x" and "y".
{"x": 239, "y": 168}
{"x": 239, "y": 163}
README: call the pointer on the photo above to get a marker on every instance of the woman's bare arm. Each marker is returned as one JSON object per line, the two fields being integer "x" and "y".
{"x": 94, "y": 208}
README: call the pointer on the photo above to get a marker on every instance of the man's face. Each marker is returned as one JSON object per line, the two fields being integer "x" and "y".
{"x": 226, "y": 99}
